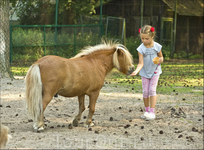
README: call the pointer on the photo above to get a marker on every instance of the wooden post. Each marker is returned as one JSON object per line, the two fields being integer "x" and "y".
{"x": 142, "y": 7}
{"x": 56, "y": 18}
{"x": 175, "y": 20}
{"x": 101, "y": 23}
{"x": 151, "y": 16}
{"x": 187, "y": 48}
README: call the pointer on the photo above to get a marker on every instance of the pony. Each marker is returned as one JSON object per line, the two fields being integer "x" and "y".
{"x": 81, "y": 75}
{"x": 4, "y": 136}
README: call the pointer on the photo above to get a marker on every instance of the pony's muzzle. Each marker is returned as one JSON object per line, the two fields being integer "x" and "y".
{"x": 131, "y": 69}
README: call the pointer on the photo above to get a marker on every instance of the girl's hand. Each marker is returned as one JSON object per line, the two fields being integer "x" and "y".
{"x": 160, "y": 59}
{"x": 133, "y": 74}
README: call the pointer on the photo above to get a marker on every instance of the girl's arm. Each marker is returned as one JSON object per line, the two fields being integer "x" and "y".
{"x": 161, "y": 58}
{"x": 139, "y": 66}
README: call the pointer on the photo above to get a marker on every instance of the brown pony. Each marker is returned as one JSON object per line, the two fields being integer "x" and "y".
{"x": 81, "y": 75}
{"x": 4, "y": 136}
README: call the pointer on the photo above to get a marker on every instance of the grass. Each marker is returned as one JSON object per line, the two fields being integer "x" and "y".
{"x": 19, "y": 71}
{"x": 177, "y": 78}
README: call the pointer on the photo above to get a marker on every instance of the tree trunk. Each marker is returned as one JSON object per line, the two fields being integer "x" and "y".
{"x": 4, "y": 39}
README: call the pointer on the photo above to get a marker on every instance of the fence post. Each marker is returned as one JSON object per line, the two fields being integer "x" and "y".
{"x": 101, "y": 6}
{"x": 56, "y": 13}
{"x": 175, "y": 20}
{"x": 11, "y": 44}
{"x": 124, "y": 33}
{"x": 142, "y": 7}
{"x": 75, "y": 40}
{"x": 44, "y": 43}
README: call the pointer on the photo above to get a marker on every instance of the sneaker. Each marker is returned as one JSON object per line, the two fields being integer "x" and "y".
{"x": 145, "y": 115}
{"x": 150, "y": 116}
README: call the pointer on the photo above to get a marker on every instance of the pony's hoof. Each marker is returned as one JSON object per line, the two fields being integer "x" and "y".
{"x": 90, "y": 125}
{"x": 38, "y": 130}
{"x": 41, "y": 129}
{"x": 35, "y": 128}
{"x": 75, "y": 123}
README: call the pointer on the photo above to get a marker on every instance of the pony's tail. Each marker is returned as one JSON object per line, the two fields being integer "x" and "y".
{"x": 34, "y": 92}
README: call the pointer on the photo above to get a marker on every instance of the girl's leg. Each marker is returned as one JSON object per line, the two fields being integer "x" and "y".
{"x": 153, "y": 96}
{"x": 152, "y": 91}
{"x": 153, "y": 100}
{"x": 146, "y": 101}
{"x": 145, "y": 86}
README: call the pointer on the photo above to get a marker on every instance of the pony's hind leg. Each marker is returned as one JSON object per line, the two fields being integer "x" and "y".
{"x": 39, "y": 125}
{"x": 81, "y": 109}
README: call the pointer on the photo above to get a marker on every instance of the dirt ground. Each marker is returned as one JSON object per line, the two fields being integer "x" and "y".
{"x": 179, "y": 124}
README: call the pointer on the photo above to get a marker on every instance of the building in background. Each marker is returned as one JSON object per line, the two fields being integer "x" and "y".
{"x": 161, "y": 14}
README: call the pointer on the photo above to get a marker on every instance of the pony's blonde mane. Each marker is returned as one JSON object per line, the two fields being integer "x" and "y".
{"x": 108, "y": 45}
{"x": 90, "y": 49}
{"x": 128, "y": 57}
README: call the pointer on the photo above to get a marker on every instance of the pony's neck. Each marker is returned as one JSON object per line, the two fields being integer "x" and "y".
{"x": 104, "y": 59}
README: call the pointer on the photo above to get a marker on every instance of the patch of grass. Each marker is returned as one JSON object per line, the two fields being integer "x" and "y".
{"x": 176, "y": 78}
{"x": 19, "y": 71}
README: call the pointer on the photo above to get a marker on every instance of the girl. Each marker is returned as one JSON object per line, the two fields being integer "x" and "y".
{"x": 149, "y": 71}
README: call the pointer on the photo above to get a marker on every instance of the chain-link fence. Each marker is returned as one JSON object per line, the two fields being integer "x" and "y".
{"x": 31, "y": 42}
{"x": 4, "y": 38}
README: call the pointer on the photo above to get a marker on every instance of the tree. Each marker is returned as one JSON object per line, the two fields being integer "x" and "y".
{"x": 4, "y": 39}
{"x": 71, "y": 11}
{"x": 43, "y": 11}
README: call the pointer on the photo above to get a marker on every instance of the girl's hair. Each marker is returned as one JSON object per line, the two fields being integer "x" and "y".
{"x": 147, "y": 29}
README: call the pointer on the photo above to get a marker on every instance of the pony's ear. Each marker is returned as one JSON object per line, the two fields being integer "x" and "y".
{"x": 119, "y": 52}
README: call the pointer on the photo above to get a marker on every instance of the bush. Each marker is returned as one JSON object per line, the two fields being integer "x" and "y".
{"x": 196, "y": 56}
{"x": 28, "y": 43}
{"x": 166, "y": 51}
{"x": 132, "y": 43}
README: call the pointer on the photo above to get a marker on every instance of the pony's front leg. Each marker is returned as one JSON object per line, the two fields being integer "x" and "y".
{"x": 92, "y": 104}
{"x": 81, "y": 109}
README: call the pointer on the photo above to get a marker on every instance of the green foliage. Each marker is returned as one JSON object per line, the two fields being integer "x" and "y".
{"x": 28, "y": 44}
{"x": 34, "y": 12}
{"x": 166, "y": 51}
{"x": 196, "y": 56}
{"x": 132, "y": 43}
{"x": 180, "y": 54}
{"x": 27, "y": 36}
{"x": 179, "y": 77}
{"x": 183, "y": 54}
{"x": 43, "y": 11}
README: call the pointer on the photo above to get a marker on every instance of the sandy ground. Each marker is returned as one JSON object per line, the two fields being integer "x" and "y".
{"x": 179, "y": 124}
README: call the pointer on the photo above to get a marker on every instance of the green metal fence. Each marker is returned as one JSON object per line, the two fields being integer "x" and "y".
{"x": 30, "y": 42}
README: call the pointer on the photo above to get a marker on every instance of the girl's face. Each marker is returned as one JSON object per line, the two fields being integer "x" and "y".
{"x": 146, "y": 39}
